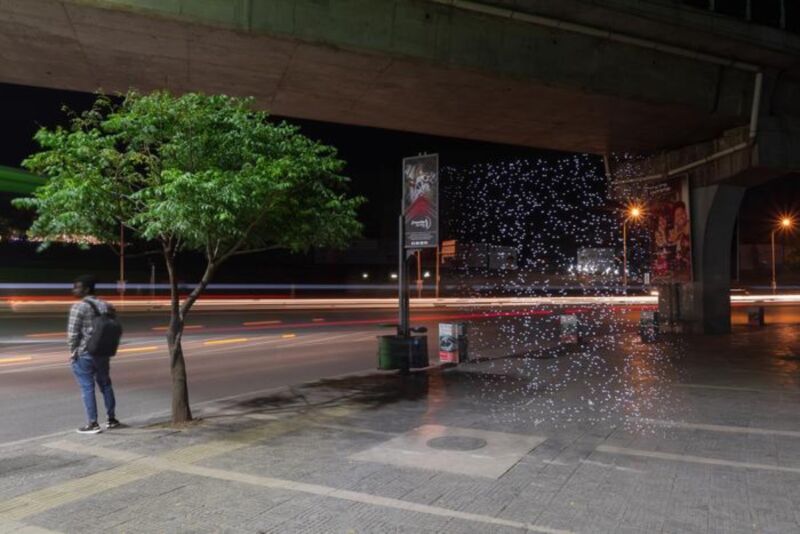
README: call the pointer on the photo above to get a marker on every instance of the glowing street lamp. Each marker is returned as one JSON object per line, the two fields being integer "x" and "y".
{"x": 784, "y": 224}
{"x": 633, "y": 213}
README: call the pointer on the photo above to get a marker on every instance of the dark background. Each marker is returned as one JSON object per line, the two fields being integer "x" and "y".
{"x": 546, "y": 197}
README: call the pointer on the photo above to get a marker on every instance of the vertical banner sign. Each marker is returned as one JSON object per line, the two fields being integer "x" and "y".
{"x": 421, "y": 201}
{"x": 671, "y": 232}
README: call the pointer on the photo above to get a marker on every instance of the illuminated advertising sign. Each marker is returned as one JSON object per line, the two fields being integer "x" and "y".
{"x": 421, "y": 201}
{"x": 671, "y": 232}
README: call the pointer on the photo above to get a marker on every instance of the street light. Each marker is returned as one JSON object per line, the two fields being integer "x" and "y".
{"x": 784, "y": 224}
{"x": 633, "y": 212}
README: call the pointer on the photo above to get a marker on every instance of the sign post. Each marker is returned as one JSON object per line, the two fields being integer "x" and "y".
{"x": 418, "y": 228}
{"x": 419, "y": 274}
{"x": 419, "y": 221}
{"x": 438, "y": 278}
{"x": 402, "y": 284}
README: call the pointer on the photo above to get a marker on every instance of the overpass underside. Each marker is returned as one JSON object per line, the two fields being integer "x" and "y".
{"x": 418, "y": 66}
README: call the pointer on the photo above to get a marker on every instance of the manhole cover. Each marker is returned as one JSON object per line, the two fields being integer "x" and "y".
{"x": 457, "y": 443}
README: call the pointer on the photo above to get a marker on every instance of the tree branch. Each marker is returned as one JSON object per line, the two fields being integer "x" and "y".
{"x": 254, "y": 250}
{"x": 245, "y": 235}
{"x": 211, "y": 267}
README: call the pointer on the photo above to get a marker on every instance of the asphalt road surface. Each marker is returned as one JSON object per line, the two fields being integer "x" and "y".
{"x": 232, "y": 353}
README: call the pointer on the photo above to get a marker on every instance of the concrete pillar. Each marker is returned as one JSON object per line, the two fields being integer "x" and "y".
{"x": 705, "y": 302}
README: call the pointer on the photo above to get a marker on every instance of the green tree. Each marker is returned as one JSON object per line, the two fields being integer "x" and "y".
{"x": 189, "y": 173}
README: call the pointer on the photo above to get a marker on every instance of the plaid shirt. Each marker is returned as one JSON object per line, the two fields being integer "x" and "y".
{"x": 79, "y": 326}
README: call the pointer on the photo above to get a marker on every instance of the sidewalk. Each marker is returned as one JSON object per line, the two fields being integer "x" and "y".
{"x": 698, "y": 435}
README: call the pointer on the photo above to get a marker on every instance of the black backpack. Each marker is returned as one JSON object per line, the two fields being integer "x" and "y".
{"x": 106, "y": 333}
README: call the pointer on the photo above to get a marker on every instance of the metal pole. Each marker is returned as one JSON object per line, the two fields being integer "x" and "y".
{"x": 739, "y": 249}
{"x": 774, "y": 280}
{"x": 152, "y": 278}
{"x": 419, "y": 274}
{"x": 121, "y": 259}
{"x": 438, "y": 261}
{"x": 783, "y": 14}
{"x": 402, "y": 282}
{"x": 625, "y": 255}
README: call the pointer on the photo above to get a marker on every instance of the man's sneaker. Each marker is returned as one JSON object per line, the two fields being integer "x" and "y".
{"x": 112, "y": 423}
{"x": 91, "y": 428}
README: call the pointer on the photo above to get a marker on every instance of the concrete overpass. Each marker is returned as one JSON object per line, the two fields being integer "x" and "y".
{"x": 577, "y": 75}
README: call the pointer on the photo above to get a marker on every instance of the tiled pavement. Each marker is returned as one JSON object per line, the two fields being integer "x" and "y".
{"x": 694, "y": 435}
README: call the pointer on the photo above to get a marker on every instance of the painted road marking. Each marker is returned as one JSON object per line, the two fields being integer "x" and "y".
{"x": 226, "y": 341}
{"x": 19, "y": 528}
{"x": 307, "y": 340}
{"x": 183, "y": 464}
{"x": 186, "y": 327}
{"x": 48, "y": 334}
{"x": 45, "y": 499}
{"x": 719, "y": 428}
{"x": 288, "y": 336}
{"x": 18, "y": 359}
{"x": 686, "y": 458}
{"x": 139, "y": 349}
{"x": 318, "y": 319}
{"x": 261, "y": 323}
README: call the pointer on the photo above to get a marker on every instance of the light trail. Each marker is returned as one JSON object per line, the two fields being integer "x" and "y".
{"x": 163, "y": 305}
{"x": 56, "y": 304}
{"x": 18, "y": 359}
{"x": 262, "y": 323}
{"x": 151, "y": 348}
{"x": 226, "y": 341}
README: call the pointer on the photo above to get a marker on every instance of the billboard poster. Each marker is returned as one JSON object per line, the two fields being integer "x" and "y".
{"x": 421, "y": 201}
{"x": 671, "y": 232}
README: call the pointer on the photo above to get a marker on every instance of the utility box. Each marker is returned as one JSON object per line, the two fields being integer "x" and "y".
{"x": 755, "y": 316}
{"x": 569, "y": 330}
{"x": 648, "y": 326}
{"x": 452, "y": 342}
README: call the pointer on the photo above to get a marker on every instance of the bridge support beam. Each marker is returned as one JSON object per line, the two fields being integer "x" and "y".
{"x": 704, "y": 304}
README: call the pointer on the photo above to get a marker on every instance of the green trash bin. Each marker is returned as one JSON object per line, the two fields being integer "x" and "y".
{"x": 402, "y": 352}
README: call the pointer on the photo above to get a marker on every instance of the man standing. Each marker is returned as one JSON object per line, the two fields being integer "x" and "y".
{"x": 87, "y": 368}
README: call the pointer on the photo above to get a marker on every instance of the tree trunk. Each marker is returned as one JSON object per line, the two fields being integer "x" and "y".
{"x": 181, "y": 412}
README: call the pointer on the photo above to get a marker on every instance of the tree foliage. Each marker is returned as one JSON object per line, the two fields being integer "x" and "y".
{"x": 191, "y": 172}
{"x": 204, "y": 172}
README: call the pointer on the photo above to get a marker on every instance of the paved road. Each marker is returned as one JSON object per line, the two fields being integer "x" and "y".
{"x": 224, "y": 358}
{"x": 232, "y": 353}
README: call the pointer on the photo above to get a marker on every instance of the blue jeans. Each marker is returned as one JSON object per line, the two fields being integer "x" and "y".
{"x": 88, "y": 369}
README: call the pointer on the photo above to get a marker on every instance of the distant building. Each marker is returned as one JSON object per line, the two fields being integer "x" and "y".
{"x": 595, "y": 261}
{"x": 486, "y": 257}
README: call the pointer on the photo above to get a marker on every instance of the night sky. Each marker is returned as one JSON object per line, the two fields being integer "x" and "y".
{"x": 373, "y": 155}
